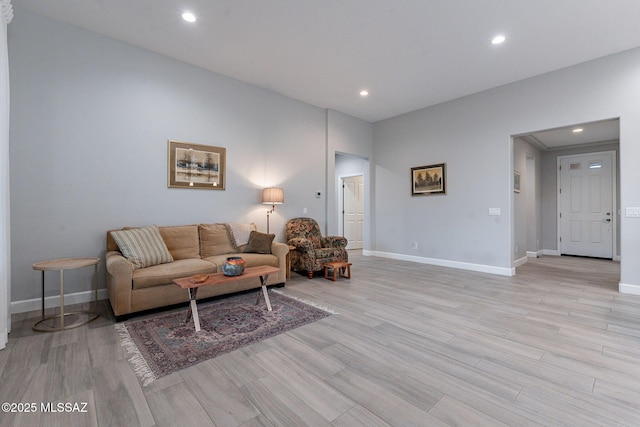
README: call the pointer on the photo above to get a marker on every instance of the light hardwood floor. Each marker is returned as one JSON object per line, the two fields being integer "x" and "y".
{"x": 411, "y": 345}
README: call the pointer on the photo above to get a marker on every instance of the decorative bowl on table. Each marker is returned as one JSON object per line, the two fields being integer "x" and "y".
{"x": 198, "y": 278}
{"x": 233, "y": 266}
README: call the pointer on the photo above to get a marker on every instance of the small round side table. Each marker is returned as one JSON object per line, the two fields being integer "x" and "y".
{"x": 62, "y": 265}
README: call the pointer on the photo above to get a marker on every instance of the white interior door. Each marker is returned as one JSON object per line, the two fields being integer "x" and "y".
{"x": 585, "y": 205}
{"x": 353, "y": 211}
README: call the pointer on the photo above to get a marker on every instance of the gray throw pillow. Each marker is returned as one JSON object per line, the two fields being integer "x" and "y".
{"x": 259, "y": 243}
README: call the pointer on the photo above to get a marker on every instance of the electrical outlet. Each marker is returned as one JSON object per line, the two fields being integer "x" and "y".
{"x": 414, "y": 245}
{"x": 304, "y": 211}
{"x": 494, "y": 211}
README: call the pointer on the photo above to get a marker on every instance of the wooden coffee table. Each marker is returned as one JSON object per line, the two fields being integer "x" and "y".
{"x": 262, "y": 272}
{"x": 337, "y": 266}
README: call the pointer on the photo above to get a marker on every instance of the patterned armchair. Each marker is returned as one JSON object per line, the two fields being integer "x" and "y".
{"x": 313, "y": 250}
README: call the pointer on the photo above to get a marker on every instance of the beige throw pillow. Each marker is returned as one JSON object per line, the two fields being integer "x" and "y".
{"x": 143, "y": 247}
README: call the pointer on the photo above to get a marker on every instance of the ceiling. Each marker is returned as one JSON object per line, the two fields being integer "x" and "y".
{"x": 408, "y": 54}
{"x": 591, "y": 133}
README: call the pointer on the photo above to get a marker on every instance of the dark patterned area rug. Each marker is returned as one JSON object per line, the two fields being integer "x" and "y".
{"x": 163, "y": 344}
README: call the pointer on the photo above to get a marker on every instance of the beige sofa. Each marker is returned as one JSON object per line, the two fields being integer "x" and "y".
{"x": 195, "y": 249}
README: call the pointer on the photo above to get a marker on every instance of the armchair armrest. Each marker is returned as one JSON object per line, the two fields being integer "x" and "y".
{"x": 301, "y": 244}
{"x": 334, "y": 242}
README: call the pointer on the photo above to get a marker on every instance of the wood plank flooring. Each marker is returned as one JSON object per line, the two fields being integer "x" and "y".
{"x": 411, "y": 345}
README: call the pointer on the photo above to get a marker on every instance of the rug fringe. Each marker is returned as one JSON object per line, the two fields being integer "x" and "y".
{"x": 311, "y": 303}
{"x": 140, "y": 366}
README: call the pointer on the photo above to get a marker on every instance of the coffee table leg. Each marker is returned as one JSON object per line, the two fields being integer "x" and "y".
{"x": 263, "y": 282}
{"x": 194, "y": 308}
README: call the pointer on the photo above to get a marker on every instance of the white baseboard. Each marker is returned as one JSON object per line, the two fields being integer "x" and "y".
{"x": 519, "y": 262}
{"x": 444, "y": 263}
{"x": 54, "y": 301}
{"x": 552, "y": 252}
{"x": 534, "y": 254}
{"x": 625, "y": 288}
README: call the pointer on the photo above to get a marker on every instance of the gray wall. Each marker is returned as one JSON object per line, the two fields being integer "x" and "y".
{"x": 90, "y": 120}
{"x": 527, "y": 204}
{"x": 348, "y": 135}
{"x": 473, "y": 136}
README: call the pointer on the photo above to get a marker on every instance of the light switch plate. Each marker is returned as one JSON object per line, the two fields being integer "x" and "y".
{"x": 633, "y": 212}
{"x": 494, "y": 211}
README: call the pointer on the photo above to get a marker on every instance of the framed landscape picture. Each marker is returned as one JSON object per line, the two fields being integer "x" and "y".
{"x": 426, "y": 180}
{"x": 196, "y": 166}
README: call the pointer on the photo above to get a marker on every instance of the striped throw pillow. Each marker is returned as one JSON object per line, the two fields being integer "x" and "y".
{"x": 143, "y": 247}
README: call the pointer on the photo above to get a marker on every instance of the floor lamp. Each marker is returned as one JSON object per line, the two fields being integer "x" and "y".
{"x": 272, "y": 196}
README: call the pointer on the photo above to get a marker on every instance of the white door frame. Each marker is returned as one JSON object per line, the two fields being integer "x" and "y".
{"x": 614, "y": 189}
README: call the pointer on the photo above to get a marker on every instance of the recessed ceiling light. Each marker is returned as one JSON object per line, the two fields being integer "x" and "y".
{"x": 364, "y": 93}
{"x": 189, "y": 17}
{"x": 498, "y": 39}
{"x": 577, "y": 130}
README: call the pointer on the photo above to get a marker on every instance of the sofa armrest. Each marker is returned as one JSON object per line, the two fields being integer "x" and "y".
{"x": 334, "y": 242}
{"x": 280, "y": 250}
{"x": 119, "y": 282}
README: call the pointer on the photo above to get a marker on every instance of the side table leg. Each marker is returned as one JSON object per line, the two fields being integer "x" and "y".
{"x": 42, "y": 294}
{"x": 61, "y": 299}
{"x": 95, "y": 284}
{"x": 263, "y": 282}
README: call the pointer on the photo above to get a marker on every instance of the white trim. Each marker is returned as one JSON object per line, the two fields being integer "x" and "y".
{"x": 625, "y": 288}
{"x": 501, "y": 271}
{"x": 7, "y": 11}
{"x": 54, "y": 301}
{"x": 6, "y": 15}
{"x": 521, "y": 261}
{"x": 534, "y": 254}
{"x": 551, "y": 252}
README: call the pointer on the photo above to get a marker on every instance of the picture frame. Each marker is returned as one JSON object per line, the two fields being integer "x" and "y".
{"x": 196, "y": 166}
{"x": 428, "y": 180}
{"x": 516, "y": 181}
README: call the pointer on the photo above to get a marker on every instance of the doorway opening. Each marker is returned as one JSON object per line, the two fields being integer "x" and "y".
{"x": 586, "y": 200}
{"x": 351, "y": 214}
{"x": 541, "y": 224}
{"x": 353, "y": 211}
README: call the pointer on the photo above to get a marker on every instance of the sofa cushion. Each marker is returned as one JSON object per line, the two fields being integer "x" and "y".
{"x": 259, "y": 243}
{"x": 250, "y": 260}
{"x": 164, "y": 274}
{"x": 182, "y": 241}
{"x": 215, "y": 239}
{"x": 143, "y": 246}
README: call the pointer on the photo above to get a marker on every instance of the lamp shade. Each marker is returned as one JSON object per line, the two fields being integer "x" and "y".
{"x": 273, "y": 196}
